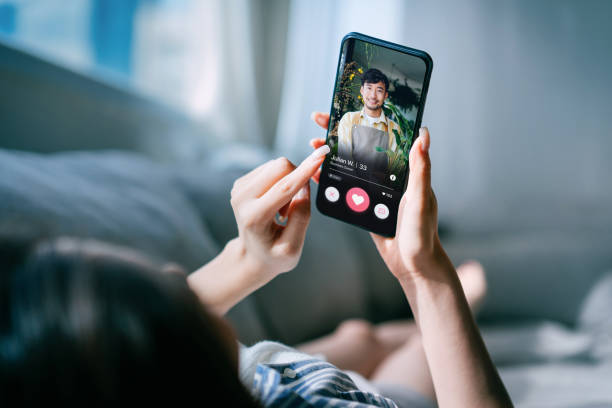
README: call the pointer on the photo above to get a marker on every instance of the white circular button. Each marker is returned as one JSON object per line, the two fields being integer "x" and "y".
{"x": 381, "y": 211}
{"x": 332, "y": 194}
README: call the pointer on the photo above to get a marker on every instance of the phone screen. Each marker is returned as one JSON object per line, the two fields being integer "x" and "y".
{"x": 376, "y": 111}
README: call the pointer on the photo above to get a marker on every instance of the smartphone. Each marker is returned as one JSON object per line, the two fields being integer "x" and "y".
{"x": 376, "y": 111}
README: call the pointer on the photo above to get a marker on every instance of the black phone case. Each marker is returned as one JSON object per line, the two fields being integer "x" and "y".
{"x": 381, "y": 228}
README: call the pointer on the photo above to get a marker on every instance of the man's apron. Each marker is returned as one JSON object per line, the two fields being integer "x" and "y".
{"x": 365, "y": 139}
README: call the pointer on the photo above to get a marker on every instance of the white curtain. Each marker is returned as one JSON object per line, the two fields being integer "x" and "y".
{"x": 518, "y": 104}
{"x": 226, "y": 62}
{"x": 200, "y": 57}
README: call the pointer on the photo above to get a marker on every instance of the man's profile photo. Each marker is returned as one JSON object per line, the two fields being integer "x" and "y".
{"x": 361, "y": 132}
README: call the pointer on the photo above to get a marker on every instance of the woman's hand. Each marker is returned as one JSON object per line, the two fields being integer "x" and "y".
{"x": 416, "y": 246}
{"x": 272, "y": 209}
{"x": 276, "y": 190}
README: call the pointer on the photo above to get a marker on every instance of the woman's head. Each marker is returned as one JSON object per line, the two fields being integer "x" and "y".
{"x": 83, "y": 323}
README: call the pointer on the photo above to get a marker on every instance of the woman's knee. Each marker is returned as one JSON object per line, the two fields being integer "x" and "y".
{"x": 357, "y": 329}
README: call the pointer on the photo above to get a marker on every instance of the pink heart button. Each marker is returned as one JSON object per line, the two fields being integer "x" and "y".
{"x": 357, "y": 199}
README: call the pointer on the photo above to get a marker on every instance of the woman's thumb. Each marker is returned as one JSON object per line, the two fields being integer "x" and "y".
{"x": 420, "y": 165}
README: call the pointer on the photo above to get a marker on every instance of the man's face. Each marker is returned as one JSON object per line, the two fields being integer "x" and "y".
{"x": 373, "y": 95}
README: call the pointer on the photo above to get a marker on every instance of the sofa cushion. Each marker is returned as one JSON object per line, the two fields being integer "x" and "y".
{"x": 538, "y": 273}
{"x": 116, "y": 197}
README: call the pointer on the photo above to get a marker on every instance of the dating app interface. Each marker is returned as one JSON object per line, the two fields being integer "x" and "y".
{"x": 372, "y": 127}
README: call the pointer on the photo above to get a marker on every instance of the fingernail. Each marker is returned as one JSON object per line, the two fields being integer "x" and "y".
{"x": 424, "y": 140}
{"x": 320, "y": 152}
{"x": 303, "y": 193}
{"x": 312, "y": 115}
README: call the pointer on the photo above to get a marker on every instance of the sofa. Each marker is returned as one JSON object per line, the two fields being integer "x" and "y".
{"x": 546, "y": 319}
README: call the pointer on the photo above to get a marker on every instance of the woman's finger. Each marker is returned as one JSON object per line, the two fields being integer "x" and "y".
{"x": 317, "y": 176}
{"x": 317, "y": 142}
{"x": 286, "y": 188}
{"x": 260, "y": 180}
{"x": 299, "y": 216}
{"x": 321, "y": 119}
{"x": 241, "y": 181}
{"x": 419, "y": 181}
{"x": 381, "y": 242}
{"x": 243, "y": 186}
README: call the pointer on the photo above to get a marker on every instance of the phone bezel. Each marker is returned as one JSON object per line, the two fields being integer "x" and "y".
{"x": 399, "y": 48}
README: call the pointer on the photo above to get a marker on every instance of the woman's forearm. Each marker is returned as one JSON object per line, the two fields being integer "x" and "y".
{"x": 228, "y": 278}
{"x": 461, "y": 368}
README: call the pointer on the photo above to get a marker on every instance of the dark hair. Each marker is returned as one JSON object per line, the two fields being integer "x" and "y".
{"x": 82, "y": 327}
{"x": 374, "y": 76}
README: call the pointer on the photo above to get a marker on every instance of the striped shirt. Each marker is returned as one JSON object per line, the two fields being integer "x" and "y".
{"x": 304, "y": 382}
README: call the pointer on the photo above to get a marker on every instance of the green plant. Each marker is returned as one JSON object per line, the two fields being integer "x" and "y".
{"x": 398, "y": 158}
{"x": 346, "y": 98}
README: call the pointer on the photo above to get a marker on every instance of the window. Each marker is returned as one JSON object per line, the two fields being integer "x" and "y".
{"x": 167, "y": 49}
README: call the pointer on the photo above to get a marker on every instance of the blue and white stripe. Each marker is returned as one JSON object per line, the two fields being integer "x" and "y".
{"x": 311, "y": 383}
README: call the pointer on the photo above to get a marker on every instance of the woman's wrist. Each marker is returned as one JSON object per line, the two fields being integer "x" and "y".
{"x": 229, "y": 277}
{"x": 249, "y": 267}
{"x": 425, "y": 266}
{"x": 439, "y": 277}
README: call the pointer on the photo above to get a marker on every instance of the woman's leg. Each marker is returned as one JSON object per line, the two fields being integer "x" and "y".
{"x": 354, "y": 346}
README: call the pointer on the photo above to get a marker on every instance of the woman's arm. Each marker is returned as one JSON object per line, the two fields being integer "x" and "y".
{"x": 461, "y": 368}
{"x": 263, "y": 248}
{"x": 227, "y": 279}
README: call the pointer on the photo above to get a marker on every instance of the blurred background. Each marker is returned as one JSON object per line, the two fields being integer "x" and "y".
{"x": 193, "y": 93}
{"x": 518, "y": 105}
